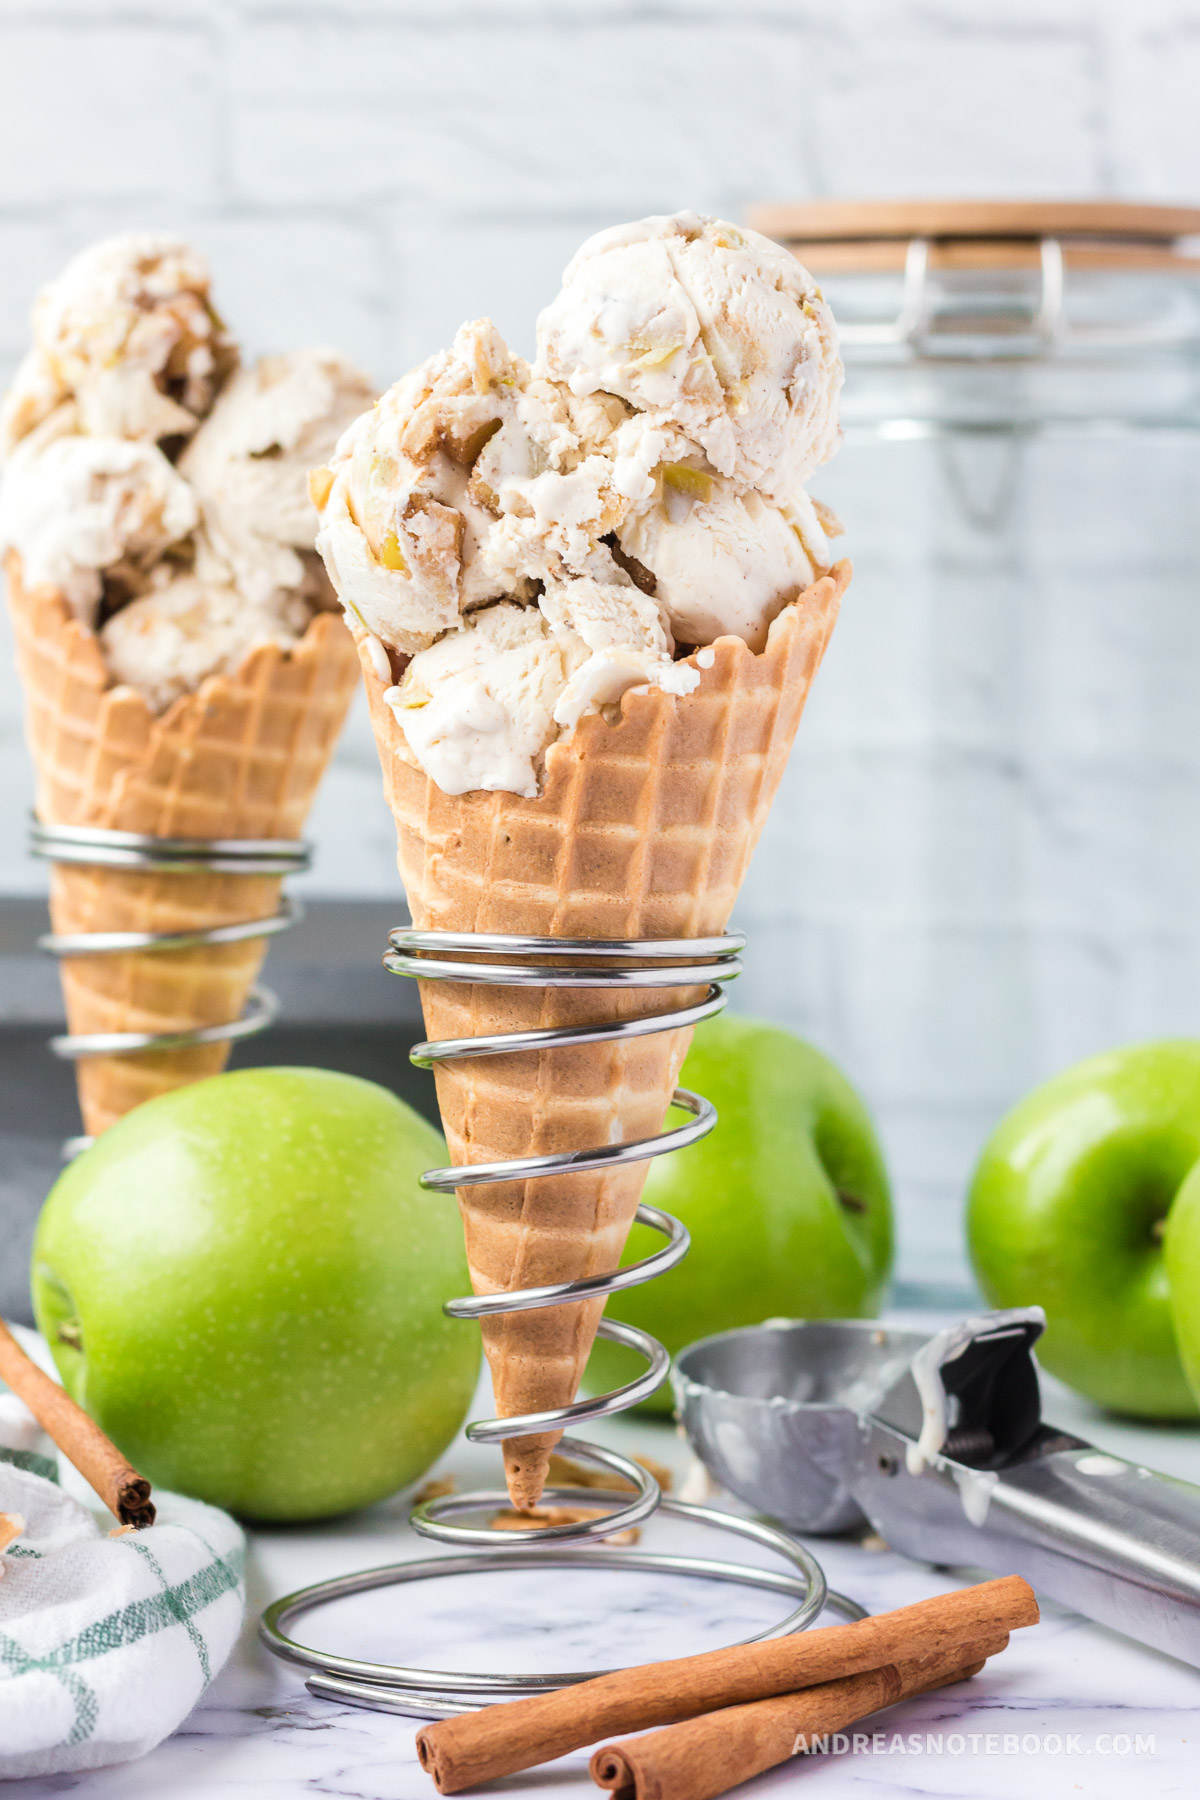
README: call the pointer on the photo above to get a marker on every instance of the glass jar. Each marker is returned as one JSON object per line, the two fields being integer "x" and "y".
{"x": 985, "y": 860}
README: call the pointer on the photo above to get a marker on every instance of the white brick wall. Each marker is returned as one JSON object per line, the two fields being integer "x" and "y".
{"x": 969, "y": 878}
{"x": 108, "y": 112}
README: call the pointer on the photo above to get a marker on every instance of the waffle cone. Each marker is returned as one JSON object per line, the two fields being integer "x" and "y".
{"x": 644, "y": 829}
{"x": 240, "y": 758}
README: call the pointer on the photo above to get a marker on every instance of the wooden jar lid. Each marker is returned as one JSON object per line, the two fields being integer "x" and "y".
{"x": 844, "y": 236}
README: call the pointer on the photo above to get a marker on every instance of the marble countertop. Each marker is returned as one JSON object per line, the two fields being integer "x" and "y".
{"x": 1070, "y": 1708}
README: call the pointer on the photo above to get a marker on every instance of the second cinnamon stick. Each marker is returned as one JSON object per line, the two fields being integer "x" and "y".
{"x": 707, "y": 1756}
{"x": 460, "y": 1753}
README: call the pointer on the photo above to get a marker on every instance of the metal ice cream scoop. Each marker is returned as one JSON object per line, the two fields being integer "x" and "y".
{"x": 939, "y": 1443}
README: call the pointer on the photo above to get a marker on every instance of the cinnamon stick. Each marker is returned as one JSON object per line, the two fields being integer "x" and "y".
{"x": 122, "y": 1489}
{"x": 707, "y": 1756}
{"x": 460, "y": 1753}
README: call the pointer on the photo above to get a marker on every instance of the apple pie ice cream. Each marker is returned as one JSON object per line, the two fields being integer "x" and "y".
{"x": 169, "y": 641}
{"x": 248, "y": 465}
{"x": 718, "y": 330}
{"x": 640, "y": 486}
{"x": 129, "y": 334}
{"x": 183, "y": 674}
{"x": 723, "y": 559}
{"x": 89, "y": 512}
{"x": 590, "y": 595}
{"x": 147, "y": 471}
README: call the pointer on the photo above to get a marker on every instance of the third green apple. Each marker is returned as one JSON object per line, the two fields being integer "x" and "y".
{"x": 787, "y": 1200}
{"x": 1068, "y": 1210}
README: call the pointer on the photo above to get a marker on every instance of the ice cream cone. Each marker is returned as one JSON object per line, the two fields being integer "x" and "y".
{"x": 644, "y": 829}
{"x": 239, "y": 758}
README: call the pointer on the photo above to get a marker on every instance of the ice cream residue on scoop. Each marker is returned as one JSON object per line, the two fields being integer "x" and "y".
{"x": 160, "y": 488}
{"x": 926, "y": 1369}
{"x": 585, "y": 522}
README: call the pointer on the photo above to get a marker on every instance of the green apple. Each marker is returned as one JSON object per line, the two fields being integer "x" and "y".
{"x": 1067, "y": 1210}
{"x": 243, "y": 1284}
{"x": 787, "y": 1200}
{"x": 1181, "y": 1248}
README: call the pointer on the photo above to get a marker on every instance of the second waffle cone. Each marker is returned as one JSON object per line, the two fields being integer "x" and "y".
{"x": 644, "y": 829}
{"x": 240, "y": 758}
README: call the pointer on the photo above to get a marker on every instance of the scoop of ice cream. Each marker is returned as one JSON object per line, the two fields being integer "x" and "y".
{"x": 129, "y": 332}
{"x": 249, "y": 464}
{"x": 400, "y": 531}
{"x": 548, "y": 480}
{"x": 717, "y": 329}
{"x": 480, "y": 707}
{"x": 477, "y": 707}
{"x": 166, "y": 643}
{"x": 78, "y": 509}
{"x": 629, "y": 644}
{"x": 537, "y": 541}
{"x": 724, "y": 562}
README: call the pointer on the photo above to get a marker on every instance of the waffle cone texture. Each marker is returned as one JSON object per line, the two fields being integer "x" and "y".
{"x": 239, "y": 758}
{"x": 644, "y": 829}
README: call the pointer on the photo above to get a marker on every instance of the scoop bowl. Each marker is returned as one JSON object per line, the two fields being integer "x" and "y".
{"x": 773, "y": 1411}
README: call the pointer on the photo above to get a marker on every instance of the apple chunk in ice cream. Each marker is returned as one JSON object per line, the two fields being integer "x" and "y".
{"x": 590, "y": 595}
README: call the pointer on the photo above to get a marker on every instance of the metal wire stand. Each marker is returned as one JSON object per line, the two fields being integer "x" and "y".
{"x": 96, "y": 847}
{"x": 561, "y": 963}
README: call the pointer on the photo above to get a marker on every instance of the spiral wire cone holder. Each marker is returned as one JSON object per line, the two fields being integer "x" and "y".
{"x": 98, "y": 847}
{"x": 580, "y": 963}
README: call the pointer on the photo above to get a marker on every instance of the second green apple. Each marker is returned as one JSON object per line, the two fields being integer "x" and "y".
{"x": 787, "y": 1201}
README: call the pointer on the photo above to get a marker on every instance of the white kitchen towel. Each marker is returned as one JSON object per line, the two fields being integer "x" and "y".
{"x": 106, "y": 1643}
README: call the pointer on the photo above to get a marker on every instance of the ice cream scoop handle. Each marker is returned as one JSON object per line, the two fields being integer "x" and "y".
{"x": 1113, "y": 1541}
